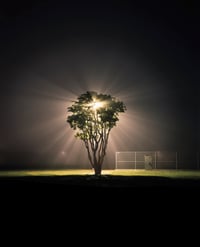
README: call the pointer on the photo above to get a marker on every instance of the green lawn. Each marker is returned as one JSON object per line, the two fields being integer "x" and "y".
{"x": 190, "y": 174}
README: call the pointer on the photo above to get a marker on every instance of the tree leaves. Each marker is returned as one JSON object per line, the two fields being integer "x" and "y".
{"x": 94, "y": 115}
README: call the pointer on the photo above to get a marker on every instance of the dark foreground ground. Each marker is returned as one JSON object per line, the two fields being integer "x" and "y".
{"x": 86, "y": 203}
{"x": 80, "y": 193}
{"x": 105, "y": 182}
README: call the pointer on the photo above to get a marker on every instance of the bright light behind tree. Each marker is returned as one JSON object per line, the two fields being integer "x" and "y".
{"x": 93, "y": 116}
{"x": 97, "y": 104}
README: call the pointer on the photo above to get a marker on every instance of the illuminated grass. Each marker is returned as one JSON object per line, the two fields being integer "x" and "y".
{"x": 45, "y": 172}
{"x": 190, "y": 174}
{"x": 195, "y": 174}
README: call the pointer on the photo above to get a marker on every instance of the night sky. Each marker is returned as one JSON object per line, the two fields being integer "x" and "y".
{"x": 51, "y": 52}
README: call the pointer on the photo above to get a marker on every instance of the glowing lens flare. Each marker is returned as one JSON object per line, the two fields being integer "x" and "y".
{"x": 97, "y": 105}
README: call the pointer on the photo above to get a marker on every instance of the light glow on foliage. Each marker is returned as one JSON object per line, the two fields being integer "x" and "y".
{"x": 93, "y": 116}
{"x": 97, "y": 104}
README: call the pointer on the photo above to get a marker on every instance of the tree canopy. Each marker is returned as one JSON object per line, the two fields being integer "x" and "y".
{"x": 93, "y": 116}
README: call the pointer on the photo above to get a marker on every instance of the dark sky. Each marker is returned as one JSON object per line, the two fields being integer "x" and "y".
{"x": 146, "y": 56}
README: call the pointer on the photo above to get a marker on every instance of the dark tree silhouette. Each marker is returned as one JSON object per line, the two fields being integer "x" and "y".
{"x": 94, "y": 115}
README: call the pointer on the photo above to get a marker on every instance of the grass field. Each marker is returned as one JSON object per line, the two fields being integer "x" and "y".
{"x": 21, "y": 180}
{"x": 177, "y": 174}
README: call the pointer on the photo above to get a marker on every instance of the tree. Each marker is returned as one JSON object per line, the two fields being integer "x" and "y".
{"x": 93, "y": 116}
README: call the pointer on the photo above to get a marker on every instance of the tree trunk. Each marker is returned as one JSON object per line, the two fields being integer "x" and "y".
{"x": 97, "y": 170}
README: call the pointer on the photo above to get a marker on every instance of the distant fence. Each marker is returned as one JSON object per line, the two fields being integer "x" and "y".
{"x": 156, "y": 160}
